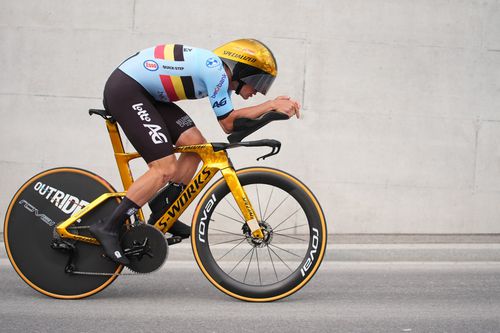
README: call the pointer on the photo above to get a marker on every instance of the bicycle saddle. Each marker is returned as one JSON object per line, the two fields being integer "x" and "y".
{"x": 103, "y": 113}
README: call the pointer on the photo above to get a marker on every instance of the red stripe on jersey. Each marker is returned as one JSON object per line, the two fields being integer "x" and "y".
{"x": 160, "y": 52}
{"x": 166, "y": 81}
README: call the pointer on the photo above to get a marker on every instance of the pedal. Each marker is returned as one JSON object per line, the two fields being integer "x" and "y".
{"x": 174, "y": 240}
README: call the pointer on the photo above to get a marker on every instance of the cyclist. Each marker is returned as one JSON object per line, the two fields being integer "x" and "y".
{"x": 140, "y": 95}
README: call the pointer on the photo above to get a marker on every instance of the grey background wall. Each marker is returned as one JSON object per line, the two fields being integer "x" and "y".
{"x": 401, "y": 98}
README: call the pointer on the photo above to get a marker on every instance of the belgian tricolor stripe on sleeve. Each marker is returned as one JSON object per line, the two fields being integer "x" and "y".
{"x": 172, "y": 52}
{"x": 176, "y": 87}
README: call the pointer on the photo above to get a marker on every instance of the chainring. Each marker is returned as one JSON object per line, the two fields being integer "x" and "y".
{"x": 145, "y": 247}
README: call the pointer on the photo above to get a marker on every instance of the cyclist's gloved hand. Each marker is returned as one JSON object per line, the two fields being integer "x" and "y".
{"x": 287, "y": 105}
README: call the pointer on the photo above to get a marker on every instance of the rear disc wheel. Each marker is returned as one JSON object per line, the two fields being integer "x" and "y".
{"x": 38, "y": 206}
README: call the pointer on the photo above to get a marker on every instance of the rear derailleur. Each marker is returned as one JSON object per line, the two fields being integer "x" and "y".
{"x": 68, "y": 248}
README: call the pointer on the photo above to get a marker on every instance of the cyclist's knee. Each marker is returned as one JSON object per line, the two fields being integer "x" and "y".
{"x": 164, "y": 168}
{"x": 192, "y": 136}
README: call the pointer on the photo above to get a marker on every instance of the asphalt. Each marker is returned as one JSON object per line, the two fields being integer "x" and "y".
{"x": 342, "y": 297}
{"x": 387, "y": 248}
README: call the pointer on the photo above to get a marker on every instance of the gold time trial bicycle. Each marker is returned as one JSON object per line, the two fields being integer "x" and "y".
{"x": 258, "y": 233}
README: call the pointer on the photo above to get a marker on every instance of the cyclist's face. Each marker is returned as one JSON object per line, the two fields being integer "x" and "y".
{"x": 247, "y": 91}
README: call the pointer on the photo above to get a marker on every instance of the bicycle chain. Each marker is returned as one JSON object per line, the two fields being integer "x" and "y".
{"x": 130, "y": 273}
{"x": 79, "y": 227}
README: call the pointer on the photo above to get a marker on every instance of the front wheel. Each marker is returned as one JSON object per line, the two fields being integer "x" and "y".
{"x": 260, "y": 270}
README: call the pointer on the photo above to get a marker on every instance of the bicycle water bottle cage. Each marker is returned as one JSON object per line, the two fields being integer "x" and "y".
{"x": 103, "y": 113}
{"x": 243, "y": 127}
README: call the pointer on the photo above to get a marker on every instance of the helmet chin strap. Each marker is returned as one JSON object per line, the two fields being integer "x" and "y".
{"x": 240, "y": 86}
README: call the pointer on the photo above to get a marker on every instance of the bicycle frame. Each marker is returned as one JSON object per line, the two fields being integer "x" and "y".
{"x": 213, "y": 161}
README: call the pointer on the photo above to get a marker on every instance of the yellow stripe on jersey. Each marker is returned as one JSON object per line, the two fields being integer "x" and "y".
{"x": 169, "y": 52}
{"x": 179, "y": 87}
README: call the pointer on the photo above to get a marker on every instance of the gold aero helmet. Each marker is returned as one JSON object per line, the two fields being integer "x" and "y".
{"x": 250, "y": 62}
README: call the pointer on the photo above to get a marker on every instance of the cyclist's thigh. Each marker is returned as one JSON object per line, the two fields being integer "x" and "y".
{"x": 177, "y": 121}
{"x": 135, "y": 110}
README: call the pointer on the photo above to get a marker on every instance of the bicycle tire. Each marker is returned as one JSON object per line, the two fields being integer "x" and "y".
{"x": 37, "y": 207}
{"x": 210, "y": 226}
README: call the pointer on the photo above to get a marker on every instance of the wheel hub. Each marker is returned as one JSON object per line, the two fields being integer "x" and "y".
{"x": 267, "y": 230}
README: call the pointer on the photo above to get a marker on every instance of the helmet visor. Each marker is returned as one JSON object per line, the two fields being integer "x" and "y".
{"x": 261, "y": 82}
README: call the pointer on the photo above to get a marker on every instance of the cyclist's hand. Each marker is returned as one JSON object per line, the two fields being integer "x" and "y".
{"x": 287, "y": 105}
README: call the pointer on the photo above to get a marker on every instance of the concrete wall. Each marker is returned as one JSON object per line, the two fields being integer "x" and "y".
{"x": 401, "y": 98}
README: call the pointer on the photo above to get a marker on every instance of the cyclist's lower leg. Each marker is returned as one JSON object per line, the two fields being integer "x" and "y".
{"x": 187, "y": 165}
{"x": 186, "y": 168}
{"x": 107, "y": 231}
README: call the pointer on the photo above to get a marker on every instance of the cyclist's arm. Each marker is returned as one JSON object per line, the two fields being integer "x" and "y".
{"x": 281, "y": 104}
{"x": 251, "y": 112}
